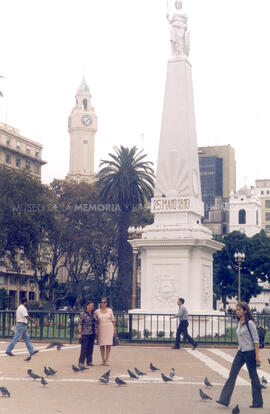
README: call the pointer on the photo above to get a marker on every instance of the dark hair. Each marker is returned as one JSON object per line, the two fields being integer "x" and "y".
{"x": 90, "y": 301}
{"x": 103, "y": 298}
{"x": 245, "y": 307}
{"x": 23, "y": 300}
{"x": 182, "y": 300}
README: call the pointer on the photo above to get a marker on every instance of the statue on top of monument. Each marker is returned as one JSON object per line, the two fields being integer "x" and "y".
{"x": 179, "y": 34}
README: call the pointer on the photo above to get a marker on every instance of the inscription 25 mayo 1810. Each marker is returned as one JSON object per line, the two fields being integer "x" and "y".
{"x": 170, "y": 204}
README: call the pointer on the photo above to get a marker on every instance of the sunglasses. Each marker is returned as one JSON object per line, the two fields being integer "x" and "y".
{"x": 103, "y": 302}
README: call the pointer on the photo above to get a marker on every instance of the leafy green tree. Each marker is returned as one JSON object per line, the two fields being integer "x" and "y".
{"x": 84, "y": 234}
{"x": 126, "y": 179}
{"x": 226, "y": 271}
{"x": 23, "y": 217}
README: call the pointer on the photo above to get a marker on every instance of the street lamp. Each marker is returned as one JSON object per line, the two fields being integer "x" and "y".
{"x": 239, "y": 258}
{"x": 134, "y": 233}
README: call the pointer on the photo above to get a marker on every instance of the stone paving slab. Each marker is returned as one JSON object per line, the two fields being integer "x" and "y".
{"x": 69, "y": 393}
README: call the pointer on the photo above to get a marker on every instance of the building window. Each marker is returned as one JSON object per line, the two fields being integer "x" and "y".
{"x": 261, "y": 191}
{"x": 28, "y": 149}
{"x": 37, "y": 153}
{"x": 27, "y": 165}
{"x": 242, "y": 217}
{"x": 2, "y": 280}
{"x": 8, "y": 141}
{"x": 257, "y": 217}
{"x": 8, "y": 159}
{"x": 267, "y": 203}
{"x": 267, "y": 216}
{"x": 31, "y": 296}
{"x": 267, "y": 229}
{"x": 12, "y": 280}
{"x": 18, "y": 145}
{"x": 36, "y": 168}
{"x": 85, "y": 104}
{"x": 85, "y": 141}
{"x": 18, "y": 162}
{"x": 267, "y": 192}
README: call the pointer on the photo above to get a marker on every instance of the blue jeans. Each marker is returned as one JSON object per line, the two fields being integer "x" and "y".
{"x": 21, "y": 333}
{"x": 241, "y": 358}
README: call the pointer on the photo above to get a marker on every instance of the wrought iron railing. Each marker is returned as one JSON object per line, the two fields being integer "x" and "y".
{"x": 140, "y": 328}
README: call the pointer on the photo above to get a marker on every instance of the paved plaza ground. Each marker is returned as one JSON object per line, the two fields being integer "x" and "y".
{"x": 69, "y": 392}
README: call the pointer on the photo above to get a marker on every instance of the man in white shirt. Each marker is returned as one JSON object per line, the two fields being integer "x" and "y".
{"x": 22, "y": 319}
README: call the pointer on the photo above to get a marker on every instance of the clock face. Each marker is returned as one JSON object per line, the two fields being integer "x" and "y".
{"x": 86, "y": 120}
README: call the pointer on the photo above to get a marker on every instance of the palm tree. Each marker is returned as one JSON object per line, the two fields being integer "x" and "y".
{"x": 127, "y": 179}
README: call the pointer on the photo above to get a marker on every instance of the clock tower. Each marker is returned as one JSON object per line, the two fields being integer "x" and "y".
{"x": 82, "y": 127}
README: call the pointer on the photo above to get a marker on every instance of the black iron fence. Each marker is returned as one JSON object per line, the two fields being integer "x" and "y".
{"x": 141, "y": 328}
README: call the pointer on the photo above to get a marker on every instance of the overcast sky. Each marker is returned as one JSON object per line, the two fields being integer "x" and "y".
{"x": 122, "y": 48}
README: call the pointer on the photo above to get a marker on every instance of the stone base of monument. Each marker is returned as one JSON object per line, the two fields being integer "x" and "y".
{"x": 159, "y": 326}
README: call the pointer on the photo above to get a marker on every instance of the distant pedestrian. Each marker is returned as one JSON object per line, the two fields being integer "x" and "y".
{"x": 266, "y": 312}
{"x": 183, "y": 325}
{"x": 105, "y": 330}
{"x": 87, "y": 333}
{"x": 248, "y": 353}
{"x": 22, "y": 319}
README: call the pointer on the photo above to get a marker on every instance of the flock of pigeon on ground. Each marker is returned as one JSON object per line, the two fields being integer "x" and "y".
{"x": 105, "y": 378}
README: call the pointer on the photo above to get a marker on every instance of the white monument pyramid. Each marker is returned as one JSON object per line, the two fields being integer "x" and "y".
{"x": 176, "y": 250}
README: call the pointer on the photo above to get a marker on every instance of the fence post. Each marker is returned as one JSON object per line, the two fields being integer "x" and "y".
{"x": 130, "y": 327}
{"x": 41, "y": 324}
{"x": 71, "y": 331}
{"x": 4, "y": 323}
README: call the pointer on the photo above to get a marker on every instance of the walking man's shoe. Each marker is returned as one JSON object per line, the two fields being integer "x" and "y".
{"x": 10, "y": 353}
{"x": 35, "y": 352}
{"x": 195, "y": 346}
{"x": 175, "y": 347}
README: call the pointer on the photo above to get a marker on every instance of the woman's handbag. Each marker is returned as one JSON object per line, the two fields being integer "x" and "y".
{"x": 116, "y": 340}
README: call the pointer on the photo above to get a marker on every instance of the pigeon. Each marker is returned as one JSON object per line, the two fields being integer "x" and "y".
{"x": 263, "y": 387}
{"x": 57, "y": 344}
{"x": 153, "y": 368}
{"x": 165, "y": 379}
{"x": 82, "y": 367}
{"x": 5, "y": 392}
{"x": 52, "y": 371}
{"x": 47, "y": 372}
{"x": 75, "y": 369}
{"x": 106, "y": 375}
{"x": 204, "y": 396}
{"x": 132, "y": 375}
{"x": 264, "y": 380}
{"x": 172, "y": 372}
{"x": 32, "y": 374}
{"x": 207, "y": 383}
{"x": 104, "y": 380}
{"x": 138, "y": 372}
{"x": 119, "y": 381}
{"x": 236, "y": 410}
{"x": 43, "y": 381}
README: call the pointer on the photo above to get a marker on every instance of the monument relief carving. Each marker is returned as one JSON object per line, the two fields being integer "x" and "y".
{"x": 164, "y": 288}
{"x": 172, "y": 177}
{"x": 206, "y": 288}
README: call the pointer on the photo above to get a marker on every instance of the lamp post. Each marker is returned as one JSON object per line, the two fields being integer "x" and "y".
{"x": 134, "y": 233}
{"x": 239, "y": 258}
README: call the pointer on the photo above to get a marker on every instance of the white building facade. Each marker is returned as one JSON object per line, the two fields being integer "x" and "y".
{"x": 245, "y": 212}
